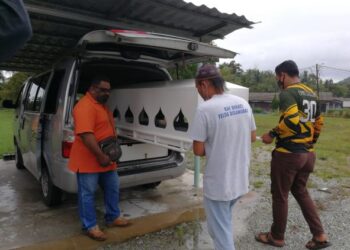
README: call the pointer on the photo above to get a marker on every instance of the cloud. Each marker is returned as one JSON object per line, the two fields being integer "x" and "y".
{"x": 309, "y": 32}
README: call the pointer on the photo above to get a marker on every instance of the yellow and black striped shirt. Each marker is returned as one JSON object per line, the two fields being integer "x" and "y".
{"x": 300, "y": 121}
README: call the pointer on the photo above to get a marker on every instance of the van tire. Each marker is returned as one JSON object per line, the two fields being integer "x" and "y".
{"x": 51, "y": 194}
{"x": 18, "y": 158}
{"x": 151, "y": 185}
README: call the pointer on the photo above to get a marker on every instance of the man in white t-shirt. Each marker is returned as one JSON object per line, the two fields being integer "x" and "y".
{"x": 222, "y": 130}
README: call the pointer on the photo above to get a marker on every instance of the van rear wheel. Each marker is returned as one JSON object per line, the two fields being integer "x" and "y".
{"x": 18, "y": 158}
{"x": 51, "y": 194}
{"x": 151, "y": 185}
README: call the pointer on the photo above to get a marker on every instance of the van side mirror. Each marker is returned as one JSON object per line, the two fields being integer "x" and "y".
{"x": 8, "y": 104}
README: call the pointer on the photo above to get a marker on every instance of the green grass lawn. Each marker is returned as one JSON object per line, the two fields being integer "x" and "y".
{"x": 6, "y": 131}
{"x": 332, "y": 149}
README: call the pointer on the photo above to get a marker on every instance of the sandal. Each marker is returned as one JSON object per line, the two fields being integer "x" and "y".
{"x": 266, "y": 238}
{"x": 314, "y": 244}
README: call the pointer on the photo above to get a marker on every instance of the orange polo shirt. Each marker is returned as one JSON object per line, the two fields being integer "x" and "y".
{"x": 90, "y": 116}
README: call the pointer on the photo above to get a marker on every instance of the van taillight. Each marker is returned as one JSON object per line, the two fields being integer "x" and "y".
{"x": 66, "y": 147}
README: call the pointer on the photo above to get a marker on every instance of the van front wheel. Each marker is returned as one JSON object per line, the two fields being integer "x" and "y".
{"x": 51, "y": 194}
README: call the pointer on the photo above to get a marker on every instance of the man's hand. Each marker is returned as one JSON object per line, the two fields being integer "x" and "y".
{"x": 90, "y": 142}
{"x": 266, "y": 138}
{"x": 198, "y": 148}
{"x": 104, "y": 160}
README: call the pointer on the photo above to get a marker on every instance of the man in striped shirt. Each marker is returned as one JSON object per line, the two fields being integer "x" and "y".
{"x": 293, "y": 158}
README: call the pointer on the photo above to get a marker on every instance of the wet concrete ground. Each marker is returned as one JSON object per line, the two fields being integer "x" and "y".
{"x": 25, "y": 220}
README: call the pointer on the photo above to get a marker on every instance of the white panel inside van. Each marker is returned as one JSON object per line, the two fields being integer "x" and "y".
{"x": 169, "y": 97}
{"x": 142, "y": 151}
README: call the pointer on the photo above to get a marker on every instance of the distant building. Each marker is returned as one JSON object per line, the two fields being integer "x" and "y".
{"x": 346, "y": 103}
{"x": 328, "y": 101}
{"x": 263, "y": 101}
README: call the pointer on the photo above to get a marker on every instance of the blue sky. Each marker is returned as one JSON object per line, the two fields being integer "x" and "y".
{"x": 307, "y": 32}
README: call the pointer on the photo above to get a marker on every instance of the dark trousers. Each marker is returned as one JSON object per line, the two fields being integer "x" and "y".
{"x": 290, "y": 172}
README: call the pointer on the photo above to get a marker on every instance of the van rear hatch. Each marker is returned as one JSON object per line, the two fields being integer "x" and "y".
{"x": 138, "y": 45}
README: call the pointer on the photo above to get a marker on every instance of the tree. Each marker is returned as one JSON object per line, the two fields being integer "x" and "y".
{"x": 11, "y": 87}
{"x": 231, "y": 72}
{"x": 234, "y": 67}
{"x": 259, "y": 81}
{"x": 328, "y": 84}
{"x": 187, "y": 71}
{"x": 340, "y": 90}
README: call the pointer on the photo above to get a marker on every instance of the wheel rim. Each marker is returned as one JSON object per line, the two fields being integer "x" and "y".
{"x": 45, "y": 183}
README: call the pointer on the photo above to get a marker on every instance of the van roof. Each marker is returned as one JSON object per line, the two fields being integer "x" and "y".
{"x": 59, "y": 24}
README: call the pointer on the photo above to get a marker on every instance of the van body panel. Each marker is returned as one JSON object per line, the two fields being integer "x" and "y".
{"x": 31, "y": 141}
{"x": 53, "y": 133}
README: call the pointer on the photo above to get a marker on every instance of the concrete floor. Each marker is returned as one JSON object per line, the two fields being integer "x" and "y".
{"x": 25, "y": 222}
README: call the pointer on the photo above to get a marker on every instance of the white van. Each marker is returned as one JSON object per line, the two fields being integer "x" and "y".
{"x": 153, "y": 140}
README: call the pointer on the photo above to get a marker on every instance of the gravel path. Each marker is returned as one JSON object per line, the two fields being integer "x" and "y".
{"x": 255, "y": 216}
{"x": 332, "y": 199}
{"x": 334, "y": 209}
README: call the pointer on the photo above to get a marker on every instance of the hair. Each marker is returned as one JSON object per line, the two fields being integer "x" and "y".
{"x": 218, "y": 83}
{"x": 289, "y": 67}
{"x": 96, "y": 80}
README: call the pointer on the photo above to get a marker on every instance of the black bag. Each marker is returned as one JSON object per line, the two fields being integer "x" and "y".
{"x": 111, "y": 147}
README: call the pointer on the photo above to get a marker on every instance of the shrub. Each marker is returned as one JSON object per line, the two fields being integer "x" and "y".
{"x": 258, "y": 110}
{"x": 345, "y": 113}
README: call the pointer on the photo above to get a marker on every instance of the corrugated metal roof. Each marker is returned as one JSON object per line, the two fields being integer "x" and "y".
{"x": 58, "y": 24}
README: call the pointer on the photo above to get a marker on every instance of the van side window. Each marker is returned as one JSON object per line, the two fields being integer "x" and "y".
{"x": 52, "y": 92}
{"x": 36, "y": 92}
{"x": 41, "y": 90}
{"x": 33, "y": 89}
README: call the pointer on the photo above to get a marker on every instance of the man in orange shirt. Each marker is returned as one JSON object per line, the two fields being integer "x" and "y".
{"x": 93, "y": 122}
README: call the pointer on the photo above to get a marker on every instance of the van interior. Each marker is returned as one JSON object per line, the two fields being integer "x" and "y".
{"x": 124, "y": 74}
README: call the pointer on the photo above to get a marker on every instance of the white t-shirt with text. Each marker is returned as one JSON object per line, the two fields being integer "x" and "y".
{"x": 224, "y": 123}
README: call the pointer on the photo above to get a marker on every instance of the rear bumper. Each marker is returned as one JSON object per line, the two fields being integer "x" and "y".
{"x": 158, "y": 172}
{"x": 130, "y": 173}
